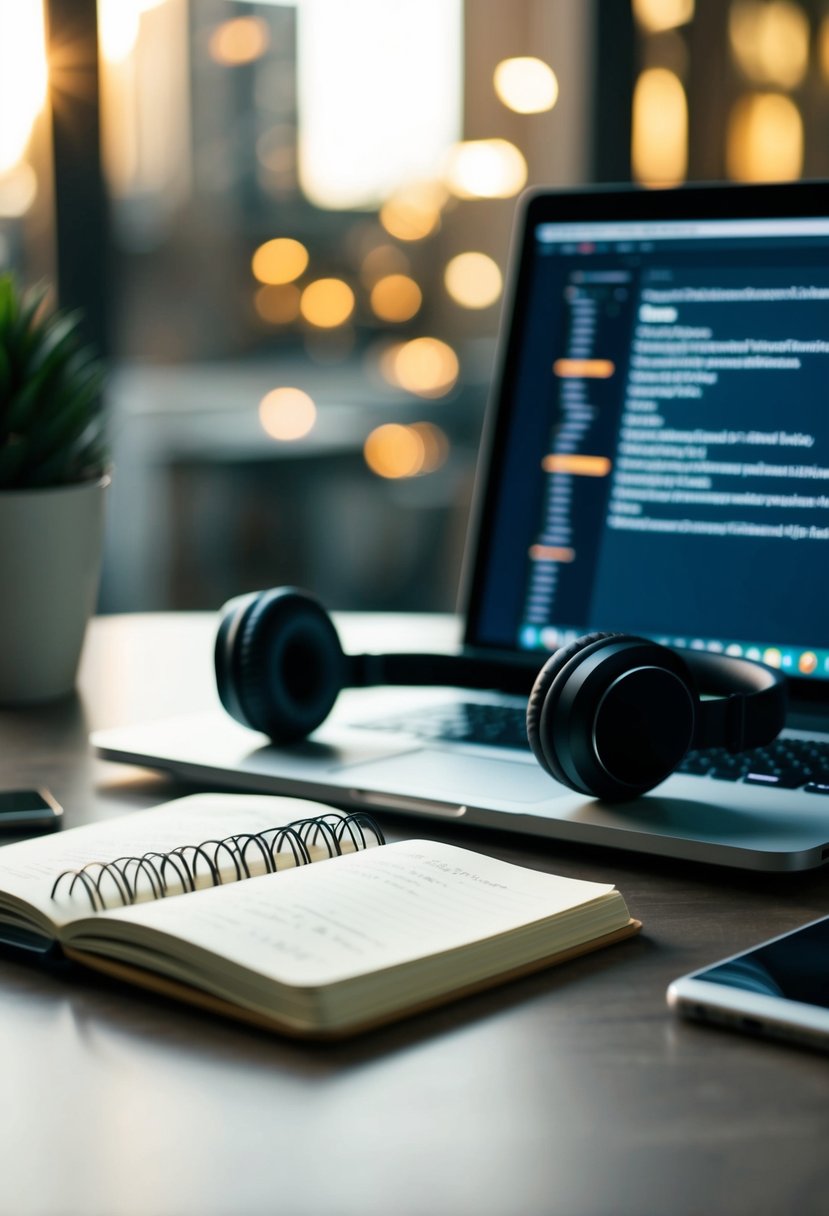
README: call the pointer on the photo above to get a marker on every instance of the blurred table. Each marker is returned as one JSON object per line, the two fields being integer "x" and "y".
{"x": 573, "y": 1091}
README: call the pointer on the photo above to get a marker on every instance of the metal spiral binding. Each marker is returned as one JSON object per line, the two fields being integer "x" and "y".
{"x": 187, "y": 865}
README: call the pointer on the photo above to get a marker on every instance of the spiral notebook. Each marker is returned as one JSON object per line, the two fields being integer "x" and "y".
{"x": 247, "y": 922}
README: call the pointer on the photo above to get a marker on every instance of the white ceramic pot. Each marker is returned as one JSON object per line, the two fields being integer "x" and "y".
{"x": 51, "y": 542}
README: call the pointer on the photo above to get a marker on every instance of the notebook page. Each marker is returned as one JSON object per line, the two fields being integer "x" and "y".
{"x": 360, "y": 913}
{"x": 28, "y": 869}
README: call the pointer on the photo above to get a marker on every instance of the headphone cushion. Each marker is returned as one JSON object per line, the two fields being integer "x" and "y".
{"x": 538, "y": 697}
{"x": 287, "y": 664}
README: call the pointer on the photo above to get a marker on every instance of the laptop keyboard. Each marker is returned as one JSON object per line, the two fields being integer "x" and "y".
{"x": 784, "y": 764}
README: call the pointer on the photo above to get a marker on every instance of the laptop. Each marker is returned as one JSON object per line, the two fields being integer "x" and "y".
{"x": 655, "y": 460}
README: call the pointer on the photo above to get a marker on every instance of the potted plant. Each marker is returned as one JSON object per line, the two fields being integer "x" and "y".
{"x": 53, "y": 475}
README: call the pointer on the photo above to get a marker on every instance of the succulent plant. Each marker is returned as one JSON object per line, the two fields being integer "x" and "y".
{"x": 51, "y": 409}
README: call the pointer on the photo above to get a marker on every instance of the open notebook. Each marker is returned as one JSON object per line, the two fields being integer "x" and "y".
{"x": 655, "y": 461}
{"x": 285, "y": 914}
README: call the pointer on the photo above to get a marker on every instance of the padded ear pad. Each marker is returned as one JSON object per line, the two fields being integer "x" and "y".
{"x": 557, "y": 662}
{"x": 279, "y": 663}
{"x": 612, "y": 715}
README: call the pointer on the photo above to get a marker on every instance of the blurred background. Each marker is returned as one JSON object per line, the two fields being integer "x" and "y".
{"x": 288, "y": 226}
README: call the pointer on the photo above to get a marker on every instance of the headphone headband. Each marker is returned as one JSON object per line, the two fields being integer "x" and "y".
{"x": 749, "y": 709}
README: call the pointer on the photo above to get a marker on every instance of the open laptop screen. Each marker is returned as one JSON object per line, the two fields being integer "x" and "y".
{"x": 660, "y": 464}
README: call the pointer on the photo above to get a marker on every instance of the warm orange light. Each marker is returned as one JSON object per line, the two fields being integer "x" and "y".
{"x": 657, "y": 15}
{"x": 396, "y": 298}
{"x": 278, "y": 305}
{"x": 584, "y": 369}
{"x": 659, "y": 139}
{"x": 240, "y": 40}
{"x": 526, "y": 85}
{"x": 287, "y": 413}
{"x": 426, "y": 366}
{"x": 435, "y": 445}
{"x": 414, "y": 212}
{"x": 580, "y": 466}
{"x": 279, "y": 261}
{"x": 327, "y": 303}
{"x": 486, "y": 168}
{"x": 764, "y": 139}
{"x": 473, "y": 280}
{"x": 552, "y": 553}
{"x": 770, "y": 41}
{"x": 394, "y": 451}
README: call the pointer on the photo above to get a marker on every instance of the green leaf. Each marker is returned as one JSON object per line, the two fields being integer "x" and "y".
{"x": 73, "y": 419}
{"x": 8, "y": 303}
{"x": 59, "y": 339}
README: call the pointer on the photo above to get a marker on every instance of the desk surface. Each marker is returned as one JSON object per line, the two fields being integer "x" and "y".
{"x": 573, "y": 1091}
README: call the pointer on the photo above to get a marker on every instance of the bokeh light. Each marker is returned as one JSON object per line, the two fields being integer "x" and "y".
{"x": 278, "y": 304}
{"x": 764, "y": 139}
{"x": 770, "y": 41}
{"x": 424, "y": 366}
{"x": 240, "y": 40}
{"x": 327, "y": 303}
{"x": 279, "y": 261}
{"x": 526, "y": 85}
{"x": 659, "y": 138}
{"x": 414, "y": 212}
{"x": 657, "y": 15}
{"x": 473, "y": 280}
{"x": 395, "y": 451}
{"x": 486, "y": 168}
{"x": 396, "y": 297}
{"x": 287, "y": 413}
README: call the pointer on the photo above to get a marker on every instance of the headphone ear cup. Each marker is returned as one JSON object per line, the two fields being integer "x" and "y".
{"x": 544, "y": 750}
{"x": 279, "y": 663}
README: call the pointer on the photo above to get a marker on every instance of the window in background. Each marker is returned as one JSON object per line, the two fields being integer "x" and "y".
{"x": 311, "y": 212}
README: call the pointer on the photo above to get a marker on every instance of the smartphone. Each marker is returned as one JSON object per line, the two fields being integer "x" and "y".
{"x": 28, "y": 810}
{"x": 779, "y": 989}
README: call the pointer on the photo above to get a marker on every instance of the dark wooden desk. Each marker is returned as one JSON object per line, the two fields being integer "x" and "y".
{"x": 574, "y": 1092}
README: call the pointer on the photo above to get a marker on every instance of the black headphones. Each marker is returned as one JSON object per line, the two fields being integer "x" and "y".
{"x": 609, "y": 715}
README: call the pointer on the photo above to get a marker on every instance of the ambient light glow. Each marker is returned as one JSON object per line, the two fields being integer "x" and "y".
{"x": 486, "y": 168}
{"x": 658, "y": 15}
{"x": 395, "y": 297}
{"x": 119, "y": 22}
{"x": 424, "y": 366}
{"x": 23, "y": 77}
{"x": 770, "y": 41}
{"x": 395, "y": 451}
{"x": 287, "y": 413}
{"x": 327, "y": 303}
{"x": 659, "y": 141}
{"x": 473, "y": 280}
{"x": 764, "y": 140}
{"x": 379, "y": 95}
{"x": 279, "y": 261}
{"x": 526, "y": 85}
{"x": 413, "y": 213}
{"x": 240, "y": 40}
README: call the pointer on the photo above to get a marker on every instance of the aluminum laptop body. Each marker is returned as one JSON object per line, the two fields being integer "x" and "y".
{"x": 655, "y": 460}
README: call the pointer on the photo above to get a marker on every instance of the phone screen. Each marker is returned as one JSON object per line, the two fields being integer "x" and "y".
{"x": 28, "y": 809}
{"x": 794, "y": 967}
